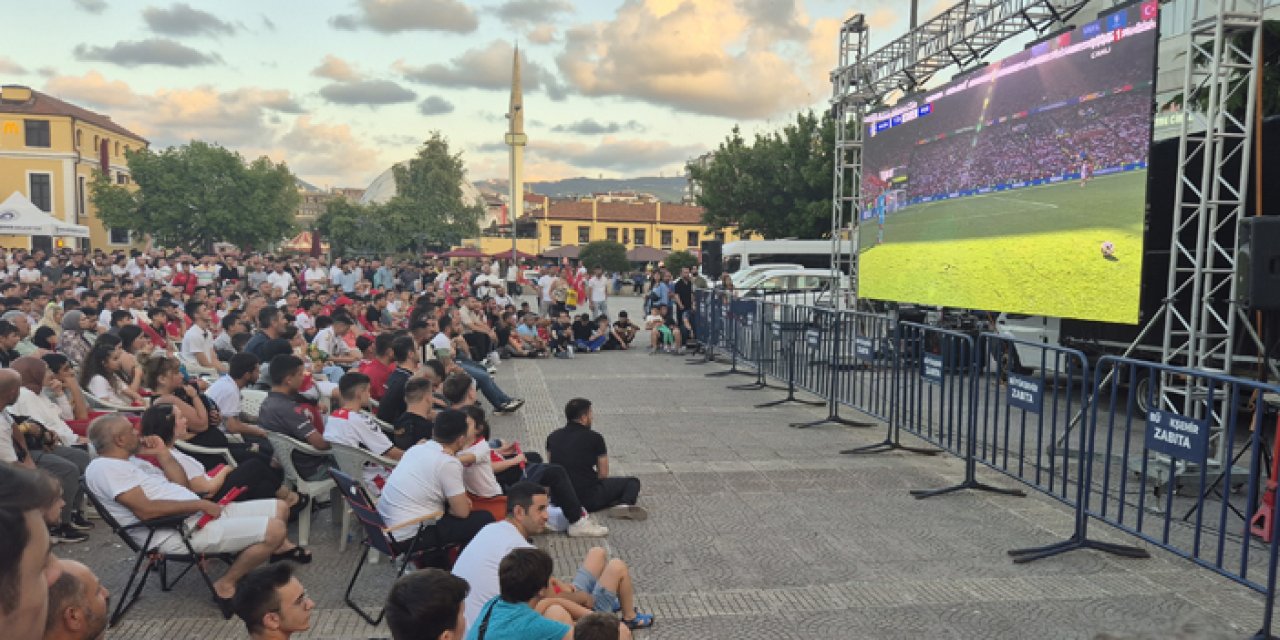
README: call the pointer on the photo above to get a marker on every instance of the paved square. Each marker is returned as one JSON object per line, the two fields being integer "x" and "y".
{"x": 757, "y": 530}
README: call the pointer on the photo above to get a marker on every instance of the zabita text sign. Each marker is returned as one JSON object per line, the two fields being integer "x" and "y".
{"x": 1178, "y": 436}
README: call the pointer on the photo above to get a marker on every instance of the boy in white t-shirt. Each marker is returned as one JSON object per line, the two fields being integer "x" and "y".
{"x": 660, "y": 336}
{"x": 349, "y": 426}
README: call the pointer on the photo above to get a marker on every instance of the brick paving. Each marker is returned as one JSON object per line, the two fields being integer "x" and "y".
{"x": 761, "y": 531}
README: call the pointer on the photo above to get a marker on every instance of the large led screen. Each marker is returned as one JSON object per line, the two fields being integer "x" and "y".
{"x": 1020, "y": 187}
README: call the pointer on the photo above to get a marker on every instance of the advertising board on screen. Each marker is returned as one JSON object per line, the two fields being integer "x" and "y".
{"x": 1021, "y": 186}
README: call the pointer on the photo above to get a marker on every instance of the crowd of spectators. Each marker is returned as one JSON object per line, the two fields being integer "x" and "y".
{"x": 126, "y": 377}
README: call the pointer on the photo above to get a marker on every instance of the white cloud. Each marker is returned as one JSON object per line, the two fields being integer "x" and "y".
{"x": 327, "y": 154}
{"x": 9, "y": 67}
{"x": 335, "y": 68}
{"x": 182, "y": 20}
{"x": 625, "y": 156}
{"x": 435, "y": 106}
{"x": 156, "y": 51}
{"x": 91, "y": 6}
{"x": 485, "y": 68}
{"x": 394, "y": 16}
{"x": 367, "y": 92}
{"x": 542, "y": 34}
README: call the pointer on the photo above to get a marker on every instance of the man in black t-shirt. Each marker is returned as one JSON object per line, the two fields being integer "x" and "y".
{"x": 415, "y": 424}
{"x": 281, "y": 414}
{"x": 393, "y": 401}
{"x": 584, "y": 456}
{"x": 683, "y": 298}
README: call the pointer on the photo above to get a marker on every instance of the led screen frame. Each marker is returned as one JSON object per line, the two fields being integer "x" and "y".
{"x": 1021, "y": 186}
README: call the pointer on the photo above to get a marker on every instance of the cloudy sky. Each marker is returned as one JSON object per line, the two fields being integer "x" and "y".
{"x": 341, "y": 89}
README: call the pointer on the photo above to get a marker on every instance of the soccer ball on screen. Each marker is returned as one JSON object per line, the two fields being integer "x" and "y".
{"x": 1108, "y": 249}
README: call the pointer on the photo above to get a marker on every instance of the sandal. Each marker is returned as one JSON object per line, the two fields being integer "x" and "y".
{"x": 296, "y": 554}
{"x": 641, "y": 621}
{"x": 224, "y": 606}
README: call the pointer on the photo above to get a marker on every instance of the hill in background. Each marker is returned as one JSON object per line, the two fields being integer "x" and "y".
{"x": 665, "y": 189}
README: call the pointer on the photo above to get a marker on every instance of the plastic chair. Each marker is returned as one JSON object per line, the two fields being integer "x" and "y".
{"x": 284, "y": 447}
{"x": 155, "y": 560}
{"x": 98, "y": 403}
{"x": 197, "y": 450}
{"x": 352, "y": 460}
{"x": 386, "y": 427}
{"x": 250, "y": 402}
{"x": 194, "y": 367}
{"x": 377, "y": 537}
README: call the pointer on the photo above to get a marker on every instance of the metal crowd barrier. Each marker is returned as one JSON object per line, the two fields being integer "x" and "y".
{"x": 1139, "y": 465}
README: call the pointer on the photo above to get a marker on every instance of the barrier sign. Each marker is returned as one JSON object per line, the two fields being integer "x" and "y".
{"x": 931, "y": 368}
{"x": 1178, "y": 436}
{"x": 1026, "y": 393}
{"x": 864, "y": 349}
{"x": 776, "y": 328}
{"x": 813, "y": 337}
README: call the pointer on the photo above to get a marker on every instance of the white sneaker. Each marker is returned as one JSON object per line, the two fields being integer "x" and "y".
{"x": 628, "y": 512}
{"x": 585, "y": 527}
{"x": 569, "y": 350}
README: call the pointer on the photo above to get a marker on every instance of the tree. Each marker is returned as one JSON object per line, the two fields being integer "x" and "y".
{"x": 428, "y": 208}
{"x": 605, "y": 254}
{"x": 352, "y": 228}
{"x": 197, "y": 194}
{"x": 678, "y": 260}
{"x": 779, "y": 185}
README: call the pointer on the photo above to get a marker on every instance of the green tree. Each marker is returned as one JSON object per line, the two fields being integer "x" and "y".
{"x": 605, "y": 254}
{"x": 778, "y": 185}
{"x": 197, "y": 194}
{"x": 678, "y": 260}
{"x": 352, "y": 228}
{"x": 428, "y": 209}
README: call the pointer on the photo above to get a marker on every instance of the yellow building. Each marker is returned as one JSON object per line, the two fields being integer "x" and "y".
{"x": 49, "y": 151}
{"x": 672, "y": 227}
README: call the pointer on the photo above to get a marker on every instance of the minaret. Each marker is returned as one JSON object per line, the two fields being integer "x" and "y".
{"x": 516, "y": 139}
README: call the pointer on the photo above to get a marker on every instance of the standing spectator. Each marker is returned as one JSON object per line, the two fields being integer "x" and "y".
{"x": 598, "y": 286}
{"x": 583, "y": 454}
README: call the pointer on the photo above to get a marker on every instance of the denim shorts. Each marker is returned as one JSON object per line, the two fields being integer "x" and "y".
{"x": 606, "y": 601}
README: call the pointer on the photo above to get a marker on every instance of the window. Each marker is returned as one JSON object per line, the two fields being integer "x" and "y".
{"x": 41, "y": 191}
{"x": 626, "y": 236}
{"x": 693, "y": 239}
{"x": 584, "y": 235}
{"x": 720, "y": 237}
{"x": 122, "y": 177}
{"x": 79, "y": 138}
{"x": 37, "y": 133}
{"x": 555, "y": 235}
{"x": 639, "y": 237}
{"x": 117, "y": 148}
{"x": 118, "y": 236}
{"x": 611, "y": 234}
{"x": 80, "y": 198}
{"x": 666, "y": 240}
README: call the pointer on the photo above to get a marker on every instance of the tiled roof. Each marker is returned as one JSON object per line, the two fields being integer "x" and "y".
{"x": 569, "y": 210}
{"x": 646, "y": 212}
{"x": 42, "y": 104}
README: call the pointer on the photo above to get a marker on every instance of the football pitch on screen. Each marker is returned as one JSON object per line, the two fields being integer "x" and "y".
{"x": 1036, "y": 250}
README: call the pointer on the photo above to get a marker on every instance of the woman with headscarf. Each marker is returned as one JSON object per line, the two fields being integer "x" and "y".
{"x": 77, "y": 337}
{"x": 54, "y": 440}
{"x": 52, "y": 318}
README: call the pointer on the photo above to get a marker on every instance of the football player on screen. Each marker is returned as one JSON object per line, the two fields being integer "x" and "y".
{"x": 1086, "y": 169}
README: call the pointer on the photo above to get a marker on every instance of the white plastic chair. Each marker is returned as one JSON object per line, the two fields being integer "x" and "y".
{"x": 194, "y": 367}
{"x": 98, "y": 403}
{"x": 284, "y": 447}
{"x": 386, "y": 427}
{"x": 351, "y": 461}
{"x": 197, "y": 450}
{"x": 250, "y": 402}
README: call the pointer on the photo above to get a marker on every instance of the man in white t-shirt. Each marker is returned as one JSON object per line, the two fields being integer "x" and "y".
{"x": 197, "y": 342}
{"x": 349, "y": 426}
{"x": 315, "y": 276}
{"x": 133, "y": 490}
{"x": 280, "y": 279}
{"x": 428, "y": 478}
{"x": 545, "y": 284}
{"x": 242, "y": 371}
{"x": 598, "y": 288}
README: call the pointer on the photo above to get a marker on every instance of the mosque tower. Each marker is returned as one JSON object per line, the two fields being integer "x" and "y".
{"x": 516, "y": 140}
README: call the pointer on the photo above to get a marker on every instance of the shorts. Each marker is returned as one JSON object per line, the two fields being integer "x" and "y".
{"x": 242, "y": 524}
{"x": 606, "y": 601}
{"x": 664, "y": 332}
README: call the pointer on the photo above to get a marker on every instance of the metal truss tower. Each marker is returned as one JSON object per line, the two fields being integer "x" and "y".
{"x": 962, "y": 35}
{"x": 1203, "y": 316}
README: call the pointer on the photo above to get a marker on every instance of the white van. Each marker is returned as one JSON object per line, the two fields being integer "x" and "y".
{"x": 810, "y": 254}
{"x": 795, "y": 286}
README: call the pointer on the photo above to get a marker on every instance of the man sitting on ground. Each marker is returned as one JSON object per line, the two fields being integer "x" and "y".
{"x": 599, "y": 585}
{"x": 524, "y": 578}
{"x": 427, "y": 605}
{"x": 133, "y": 490}
{"x": 427, "y": 482}
{"x": 583, "y": 454}
{"x": 273, "y": 603}
{"x": 77, "y": 605}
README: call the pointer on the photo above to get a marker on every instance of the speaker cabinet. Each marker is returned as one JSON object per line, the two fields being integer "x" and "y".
{"x": 712, "y": 259}
{"x": 1258, "y": 263}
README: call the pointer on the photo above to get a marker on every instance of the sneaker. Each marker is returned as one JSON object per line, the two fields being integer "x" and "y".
{"x": 629, "y": 512}
{"x": 79, "y": 523}
{"x": 563, "y": 355}
{"x": 493, "y": 371}
{"x": 65, "y": 534}
{"x": 511, "y": 405}
{"x": 586, "y": 528}
{"x": 569, "y": 350}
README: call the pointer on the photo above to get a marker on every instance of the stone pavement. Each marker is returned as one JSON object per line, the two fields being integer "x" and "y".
{"x": 757, "y": 530}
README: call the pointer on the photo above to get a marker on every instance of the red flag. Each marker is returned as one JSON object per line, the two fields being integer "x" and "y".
{"x": 502, "y": 216}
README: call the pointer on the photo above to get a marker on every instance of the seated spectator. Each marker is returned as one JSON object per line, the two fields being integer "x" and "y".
{"x": 414, "y": 425}
{"x": 459, "y": 390}
{"x": 27, "y": 564}
{"x": 45, "y": 339}
{"x": 257, "y": 477}
{"x": 405, "y": 354}
{"x": 280, "y": 413}
{"x": 350, "y": 426}
{"x": 600, "y": 626}
{"x": 9, "y": 339}
{"x": 331, "y": 341}
{"x": 604, "y": 586}
{"x": 446, "y": 352}
{"x": 64, "y": 390}
{"x": 197, "y": 342}
{"x": 100, "y": 376}
{"x": 242, "y": 372}
{"x": 524, "y": 577}
{"x": 428, "y": 483}
{"x": 133, "y": 349}
{"x": 77, "y": 604}
{"x": 77, "y": 336}
{"x": 380, "y": 367}
{"x": 583, "y": 454}
{"x": 514, "y": 342}
{"x": 273, "y": 603}
{"x": 133, "y": 490}
{"x": 427, "y": 605}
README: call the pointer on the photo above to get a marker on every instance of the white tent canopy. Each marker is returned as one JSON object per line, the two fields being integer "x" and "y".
{"x": 18, "y": 217}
